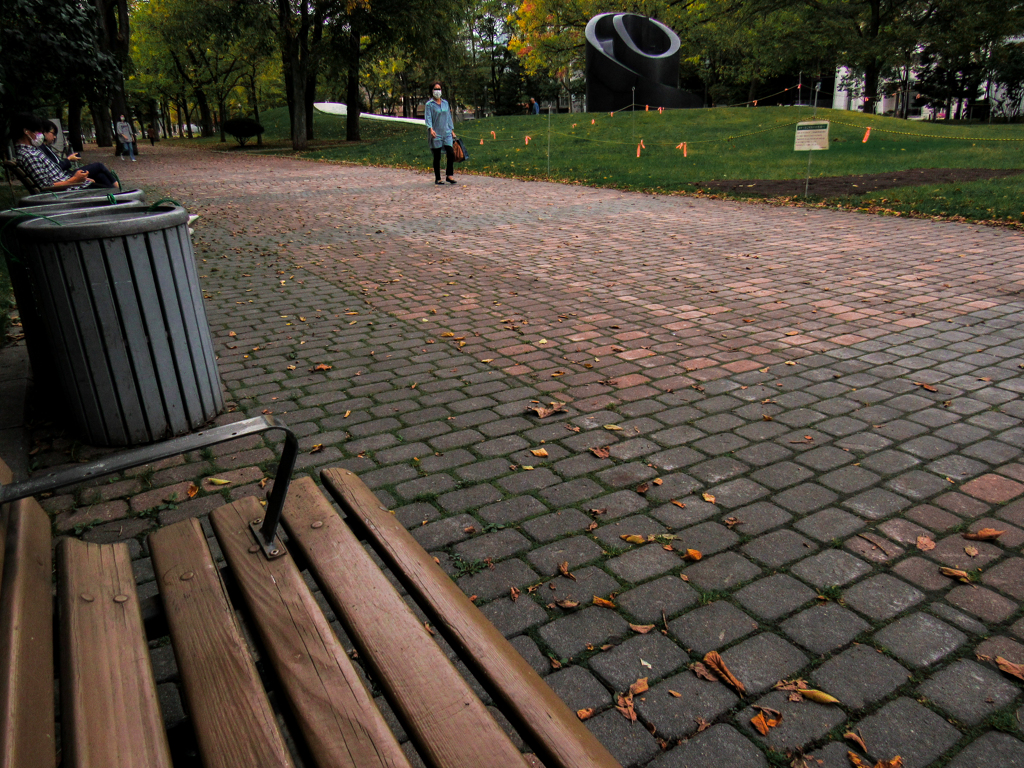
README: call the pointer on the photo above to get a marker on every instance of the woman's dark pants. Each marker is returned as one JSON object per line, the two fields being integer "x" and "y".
{"x": 100, "y": 175}
{"x": 437, "y": 161}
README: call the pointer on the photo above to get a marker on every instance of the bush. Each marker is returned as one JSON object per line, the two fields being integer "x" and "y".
{"x": 243, "y": 129}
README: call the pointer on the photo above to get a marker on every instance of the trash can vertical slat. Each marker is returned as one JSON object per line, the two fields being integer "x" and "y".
{"x": 206, "y": 359}
{"x": 135, "y": 337}
{"x": 183, "y": 288}
{"x": 116, "y": 362}
{"x": 156, "y": 330}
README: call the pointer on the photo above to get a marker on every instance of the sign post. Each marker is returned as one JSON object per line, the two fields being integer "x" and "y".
{"x": 811, "y": 135}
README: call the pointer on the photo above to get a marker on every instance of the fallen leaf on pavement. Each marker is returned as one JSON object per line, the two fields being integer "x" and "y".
{"x": 514, "y": 594}
{"x": 217, "y": 481}
{"x": 613, "y": 427}
{"x": 1007, "y": 666}
{"x": 925, "y": 544}
{"x": 469, "y": 529}
{"x": 555, "y": 663}
{"x": 856, "y": 739}
{"x": 679, "y": 504}
{"x": 702, "y": 724}
{"x": 703, "y": 672}
{"x": 640, "y": 686}
{"x": 321, "y": 367}
{"x": 563, "y": 568}
{"x": 633, "y": 538}
{"x": 924, "y": 386}
{"x": 657, "y": 481}
{"x": 646, "y": 664}
{"x": 643, "y": 629}
{"x": 818, "y": 696}
{"x": 765, "y": 719}
{"x": 985, "y": 534}
{"x": 192, "y": 490}
{"x": 955, "y": 573}
{"x": 642, "y": 488}
{"x": 692, "y": 554}
{"x": 540, "y": 453}
{"x": 567, "y": 604}
{"x": 543, "y": 411}
{"x": 971, "y": 551}
{"x": 592, "y": 526}
{"x": 715, "y": 663}
{"x": 601, "y": 453}
{"x": 676, "y": 694}
{"x": 585, "y": 714}
{"x": 317, "y": 448}
{"x": 624, "y": 706}
{"x": 603, "y": 603}
{"x": 708, "y": 498}
{"x": 730, "y": 522}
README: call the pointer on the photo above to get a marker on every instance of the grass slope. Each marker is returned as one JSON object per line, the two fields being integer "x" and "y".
{"x": 721, "y": 144}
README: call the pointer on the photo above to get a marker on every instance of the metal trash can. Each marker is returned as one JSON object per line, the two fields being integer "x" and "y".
{"x": 44, "y": 372}
{"x": 49, "y": 198}
{"x": 121, "y": 301}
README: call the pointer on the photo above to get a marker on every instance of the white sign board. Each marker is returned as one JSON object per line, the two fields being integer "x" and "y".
{"x": 811, "y": 134}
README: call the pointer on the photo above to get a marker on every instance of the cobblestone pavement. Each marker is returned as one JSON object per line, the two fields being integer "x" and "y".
{"x": 820, "y": 403}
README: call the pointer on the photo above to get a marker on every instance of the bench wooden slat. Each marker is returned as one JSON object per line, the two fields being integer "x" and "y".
{"x": 110, "y": 712}
{"x": 26, "y": 638}
{"x": 449, "y": 725}
{"x": 336, "y": 713}
{"x": 540, "y": 716}
{"x": 233, "y": 720}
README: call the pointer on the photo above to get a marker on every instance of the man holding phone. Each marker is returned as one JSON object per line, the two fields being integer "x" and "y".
{"x": 27, "y": 135}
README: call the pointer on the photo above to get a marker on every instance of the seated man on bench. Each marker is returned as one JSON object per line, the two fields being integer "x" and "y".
{"x": 27, "y": 135}
{"x": 98, "y": 172}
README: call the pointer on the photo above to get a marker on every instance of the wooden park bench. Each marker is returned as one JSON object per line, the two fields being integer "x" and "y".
{"x": 11, "y": 168}
{"x": 110, "y": 715}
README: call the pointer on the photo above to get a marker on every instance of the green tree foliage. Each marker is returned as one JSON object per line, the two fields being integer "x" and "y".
{"x": 49, "y": 53}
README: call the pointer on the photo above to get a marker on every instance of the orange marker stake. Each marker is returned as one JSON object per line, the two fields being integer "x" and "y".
{"x": 680, "y": 145}
{"x": 866, "y": 134}
{"x": 642, "y": 144}
{"x": 527, "y": 140}
{"x": 481, "y": 142}
{"x": 494, "y": 136}
{"x": 592, "y": 121}
{"x": 638, "y": 150}
{"x": 647, "y": 107}
{"x": 611, "y": 114}
{"x": 684, "y": 149}
{"x": 660, "y": 110}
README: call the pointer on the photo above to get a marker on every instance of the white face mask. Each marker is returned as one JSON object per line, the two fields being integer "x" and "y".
{"x": 437, "y": 93}
{"x": 37, "y": 140}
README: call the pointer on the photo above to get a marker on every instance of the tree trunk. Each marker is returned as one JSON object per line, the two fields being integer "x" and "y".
{"x": 205, "y": 117}
{"x": 221, "y": 122}
{"x": 255, "y": 106}
{"x": 352, "y": 91}
{"x": 75, "y": 122}
{"x": 293, "y": 44}
{"x": 310, "y": 99}
{"x": 101, "y": 119}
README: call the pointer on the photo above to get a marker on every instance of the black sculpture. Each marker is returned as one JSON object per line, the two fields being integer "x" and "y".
{"x": 626, "y": 51}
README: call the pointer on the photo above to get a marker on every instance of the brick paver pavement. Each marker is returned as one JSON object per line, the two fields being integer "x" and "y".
{"x": 821, "y": 403}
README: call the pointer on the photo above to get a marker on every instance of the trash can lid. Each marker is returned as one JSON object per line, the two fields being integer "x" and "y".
{"x": 105, "y": 222}
{"x": 65, "y": 206}
{"x": 46, "y": 198}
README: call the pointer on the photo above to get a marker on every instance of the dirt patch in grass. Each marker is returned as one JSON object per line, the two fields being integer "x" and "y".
{"x": 838, "y": 186}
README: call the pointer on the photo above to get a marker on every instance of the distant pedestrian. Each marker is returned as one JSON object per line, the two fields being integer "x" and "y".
{"x": 126, "y": 136}
{"x": 534, "y": 106}
{"x": 441, "y": 125}
{"x": 152, "y": 131}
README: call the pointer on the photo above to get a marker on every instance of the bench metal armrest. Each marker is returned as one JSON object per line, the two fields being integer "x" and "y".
{"x": 266, "y": 534}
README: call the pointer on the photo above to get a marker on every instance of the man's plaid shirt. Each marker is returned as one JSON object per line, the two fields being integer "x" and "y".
{"x": 40, "y": 168}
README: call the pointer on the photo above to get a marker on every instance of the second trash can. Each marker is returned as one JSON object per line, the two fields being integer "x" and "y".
{"x": 123, "y": 306}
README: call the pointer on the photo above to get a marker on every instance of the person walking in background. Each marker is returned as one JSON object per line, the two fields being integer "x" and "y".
{"x": 152, "y": 135}
{"x": 534, "y": 106}
{"x": 441, "y": 125}
{"x": 98, "y": 172}
{"x": 126, "y": 136}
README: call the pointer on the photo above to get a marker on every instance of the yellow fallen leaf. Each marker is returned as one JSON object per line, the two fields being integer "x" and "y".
{"x": 192, "y": 490}
{"x": 692, "y": 554}
{"x": 657, "y": 481}
{"x": 818, "y": 696}
{"x": 488, "y": 360}
{"x": 540, "y": 453}
{"x": 971, "y": 551}
{"x": 679, "y": 504}
{"x": 708, "y": 498}
{"x": 317, "y": 448}
{"x": 640, "y": 686}
{"x": 677, "y": 694}
{"x": 217, "y": 481}
{"x": 603, "y": 603}
{"x": 613, "y": 427}
{"x": 527, "y": 467}
{"x": 447, "y": 334}
{"x": 633, "y": 538}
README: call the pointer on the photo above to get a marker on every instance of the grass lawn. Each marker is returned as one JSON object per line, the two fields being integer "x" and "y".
{"x": 720, "y": 144}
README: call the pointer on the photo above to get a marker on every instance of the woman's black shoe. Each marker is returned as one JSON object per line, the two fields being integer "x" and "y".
{"x": 451, "y": 181}
{"x": 438, "y": 181}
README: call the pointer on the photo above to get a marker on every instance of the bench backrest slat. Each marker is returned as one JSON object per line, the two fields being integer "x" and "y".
{"x": 27, "y": 732}
{"x": 449, "y": 725}
{"x": 233, "y": 720}
{"x": 337, "y": 715}
{"x": 540, "y": 716}
{"x": 109, "y": 705}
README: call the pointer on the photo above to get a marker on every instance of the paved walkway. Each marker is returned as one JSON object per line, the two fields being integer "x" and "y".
{"x": 820, "y": 403}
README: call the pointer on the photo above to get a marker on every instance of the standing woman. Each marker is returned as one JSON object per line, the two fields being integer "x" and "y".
{"x": 438, "y": 117}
